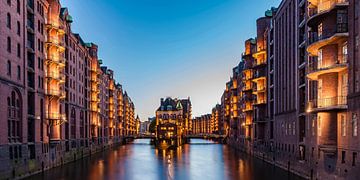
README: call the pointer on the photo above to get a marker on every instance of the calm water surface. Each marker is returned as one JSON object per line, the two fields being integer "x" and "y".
{"x": 200, "y": 160}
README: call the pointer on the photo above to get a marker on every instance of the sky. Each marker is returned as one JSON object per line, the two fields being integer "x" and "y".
{"x": 169, "y": 48}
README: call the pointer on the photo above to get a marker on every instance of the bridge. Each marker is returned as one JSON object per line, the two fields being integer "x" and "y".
{"x": 216, "y": 137}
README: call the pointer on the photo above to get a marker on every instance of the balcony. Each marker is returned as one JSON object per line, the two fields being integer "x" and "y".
{"x": 59, "y": 60}
{"x": 55, "y": 76}
{"x": 315, "y": 70}
{"x": 260, "y": 89}
{"x": 59, "y": 28}
{"x": 247, "y": 88}
{"x": 260, "y": 52}
{"x": 56, "y": 43}
{"x": 247, "y": 108}
{"x": 260, "y": 102}
{"x": 55, "y": 116}
{"x": 259, "y": 62}
{"x": 56, "y": 93}
{"x": 317, "y": 41}
{"x": 317, "y": 10}
{"x": 326, "y": 104}
{"x": 259, "y": 75}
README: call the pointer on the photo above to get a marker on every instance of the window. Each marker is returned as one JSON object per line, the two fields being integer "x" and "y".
{"x": 344, "y": 53}
{"x": 354, "y": 158}
{"x": 354, "y": 124}
{"x": 343, "y": 157}
{"x": 18, "y": 28}
{"x": 313, "y": 125}
{"x": 18, "y": 72}
{"x": 9, "y": 2}
{"x": 8, "y": 20}
{"x": 18, "y": 6}
{"x": 18, "y": 50}
{"x": 14, "y": 118}
{"x": 343, "y": 124}
{"x": 319, "y": 125}
{"x": 9, "y": 68}
{"x": 320, "y": 30}
{"x": 9, "y": 44}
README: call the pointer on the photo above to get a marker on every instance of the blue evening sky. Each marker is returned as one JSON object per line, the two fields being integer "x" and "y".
{"x": 176, "y": 48}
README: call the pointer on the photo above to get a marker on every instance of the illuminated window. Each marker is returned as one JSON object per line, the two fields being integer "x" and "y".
{"x": 320, "y": 30}
{"x": 354, "y": 124}
{"x": 319, "y": 125}
{"x": 343, "y": 125}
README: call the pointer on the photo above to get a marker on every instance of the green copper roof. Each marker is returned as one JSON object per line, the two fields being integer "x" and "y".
{"x": 69, "y": 19}
{"x": 88, "y": 44}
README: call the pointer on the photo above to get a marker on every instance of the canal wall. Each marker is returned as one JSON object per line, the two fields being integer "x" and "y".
{"x": 48, "y": 157}
{"x": 278, "y": 159}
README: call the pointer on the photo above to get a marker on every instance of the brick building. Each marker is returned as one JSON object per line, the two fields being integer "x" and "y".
{"x": 61, "y": 102}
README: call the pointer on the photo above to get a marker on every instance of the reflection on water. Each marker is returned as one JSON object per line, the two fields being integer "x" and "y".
{"x": 139, "y": 160}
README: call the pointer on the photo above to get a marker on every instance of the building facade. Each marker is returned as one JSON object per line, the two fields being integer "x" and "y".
{"x": 62, "y": 103}
{"x": 299, "y": 89}
{"x": 171, "y": 122}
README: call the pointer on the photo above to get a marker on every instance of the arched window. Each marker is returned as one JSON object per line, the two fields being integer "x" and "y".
{"x": 14, "y": 117}
{"x": 8, "y": 20}
{"x": 9, "y": 68}
{"x": 18, "y": 6}
{"x": 9, "y": 44}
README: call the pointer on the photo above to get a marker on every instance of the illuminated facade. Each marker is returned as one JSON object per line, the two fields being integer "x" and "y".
{"x": 171, "y": 123}
{"x": 202, "y": 125}
{"x": 62, "y": 104}
{"x": 300, "y": 84}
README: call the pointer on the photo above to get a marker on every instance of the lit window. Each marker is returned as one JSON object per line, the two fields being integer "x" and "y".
{"x": 343, "y": 125}
{"x": 355, "y": 124}
{"x": 319, "y": 125}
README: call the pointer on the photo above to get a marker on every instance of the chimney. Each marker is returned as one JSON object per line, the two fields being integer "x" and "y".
{"x": 161, "y": 101}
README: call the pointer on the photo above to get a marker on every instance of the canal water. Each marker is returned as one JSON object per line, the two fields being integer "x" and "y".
{"x": 199, "y": 160}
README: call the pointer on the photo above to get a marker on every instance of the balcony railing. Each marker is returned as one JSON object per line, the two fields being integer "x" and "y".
{"x": 315, "y": 36}
{"x": 315, "y": 66}
{"x": 53, "y": 92}
{"x": 259, "y": 74}
{"x": 324, "y": 6}
{"x": 328, "y": 102}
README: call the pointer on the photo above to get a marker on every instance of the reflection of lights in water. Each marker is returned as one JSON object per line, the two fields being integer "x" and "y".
{"x": 170, "y": 167}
